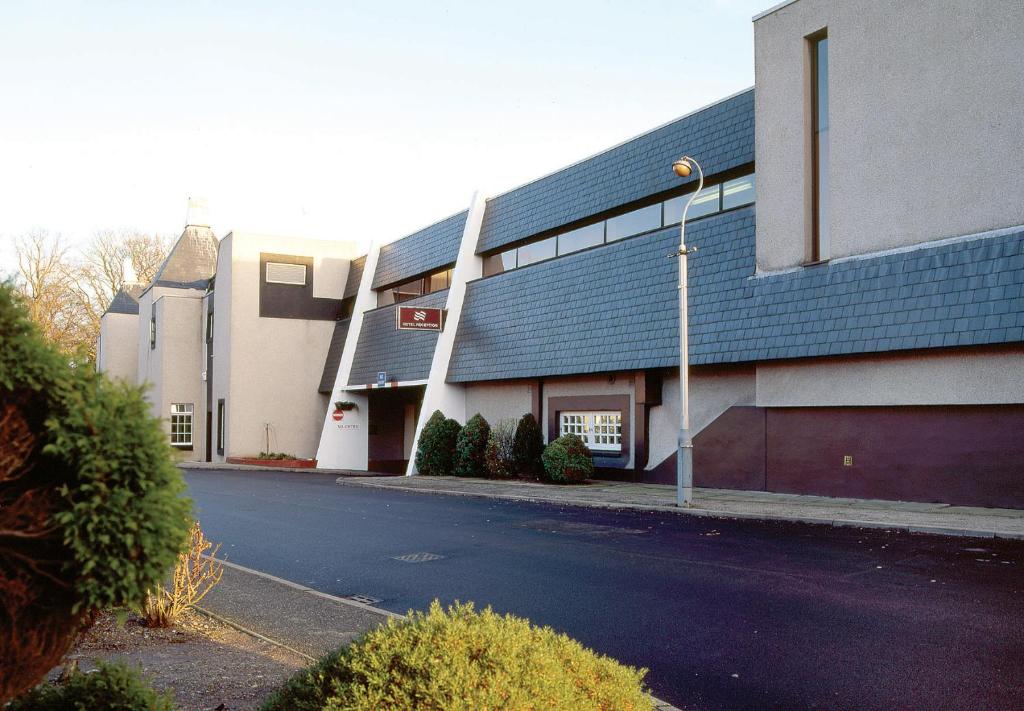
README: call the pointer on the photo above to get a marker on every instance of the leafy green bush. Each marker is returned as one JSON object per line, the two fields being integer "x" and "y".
{"x": 461, "y": 659}
{"x": 498, "y": 462}
{"x": 470, "y": 447}
{"x": 567, "y": 460}
{"x": 527, "y": 447}
{"x": 275, "y": 456}
{"x": 114, "y": 687}
{"x": 91, "y": 512}
{"x": 435, "y": 455}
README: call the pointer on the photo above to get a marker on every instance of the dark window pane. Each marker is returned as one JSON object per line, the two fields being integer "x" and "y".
{"x": 530, "y": 253}
{"x": 437, "y": 281}
{"x": 822, "y": 86}
{"x": 501, "y": 262}
{"x": 738, "y": 192}
{"x": 635, "y": 222}
{"x": 582, "y": 238}
{"x": 674, "y": 209}
{"x": 408, "y": 290}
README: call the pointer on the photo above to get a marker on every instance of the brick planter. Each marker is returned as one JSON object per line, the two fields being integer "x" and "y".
{"x": 277, "y": 463}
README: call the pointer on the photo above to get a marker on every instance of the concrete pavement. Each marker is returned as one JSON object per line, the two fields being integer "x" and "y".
{"x": 939, "y": 519}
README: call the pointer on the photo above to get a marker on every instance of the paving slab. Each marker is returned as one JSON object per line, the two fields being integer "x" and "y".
{"x": 918, "y": 517}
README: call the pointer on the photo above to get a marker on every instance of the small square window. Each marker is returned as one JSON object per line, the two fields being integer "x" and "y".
{"x": 181, "y": 424}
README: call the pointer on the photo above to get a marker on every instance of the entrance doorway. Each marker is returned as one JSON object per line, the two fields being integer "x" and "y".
{"x": 393, "y": 414}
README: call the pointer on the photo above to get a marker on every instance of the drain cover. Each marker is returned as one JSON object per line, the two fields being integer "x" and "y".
{"x": 365, "y": 599}
{"x": 417, "y": 557}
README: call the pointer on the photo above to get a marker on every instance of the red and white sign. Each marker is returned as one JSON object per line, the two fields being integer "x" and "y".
{"x": 419, "y": 318}
{"x": 338, "y": 415}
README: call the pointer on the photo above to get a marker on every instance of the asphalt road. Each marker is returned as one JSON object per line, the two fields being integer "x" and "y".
{"x": 725, "y": 614}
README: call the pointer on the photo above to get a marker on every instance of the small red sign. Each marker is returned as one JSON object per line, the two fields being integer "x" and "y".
{"x": 338, "y": 415}
{"x": 419, "y": 318}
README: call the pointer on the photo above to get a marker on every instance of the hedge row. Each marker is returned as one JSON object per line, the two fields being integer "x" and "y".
{"x": 509, "y": 449}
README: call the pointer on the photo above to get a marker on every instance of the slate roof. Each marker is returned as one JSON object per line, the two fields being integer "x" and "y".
{"x": 126, "y": 300}
{"x": 405, "y": 355}
{"x": 333, "y": 359}
{"x": 421, "y": 252}
{"x": 721, "y": 135}
{"x": 355, "y": 275}
{"x": 192, "y": 261}
{"x": 615, "y": 307}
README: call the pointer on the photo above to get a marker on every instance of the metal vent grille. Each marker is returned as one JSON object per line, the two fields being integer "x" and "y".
{"x": 278, "y": 273}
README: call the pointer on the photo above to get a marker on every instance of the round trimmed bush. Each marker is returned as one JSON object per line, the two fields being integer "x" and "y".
{"x": 471, "y": 446}
{"x": 498, "y": 454}
{"x": 527, "y": 447}
{"x": 435, "y": 454}
{"x": 461, "y": 659}
{"x": 567, "y": 460}
{"x": 113, "y": 687}
{"x": 91, "y": 507}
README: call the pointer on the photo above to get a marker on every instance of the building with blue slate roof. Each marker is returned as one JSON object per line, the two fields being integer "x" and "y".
{"x": 856, "y": 316}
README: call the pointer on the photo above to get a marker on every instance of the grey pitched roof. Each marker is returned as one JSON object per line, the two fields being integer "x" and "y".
{"x": 404, "y": 355}
{"x": 126, "y": 300}
{"x": 192, "y": 262}
{"x": 615, "y": 307}
{"x": 721, "y": 136}
{"x": 355, "y": 275}
{"x": 333, "y": 359}
{"x": 421, "y": 252}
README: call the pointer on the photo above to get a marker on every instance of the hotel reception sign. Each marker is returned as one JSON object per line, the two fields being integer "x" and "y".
{"x": 419, "y": 318}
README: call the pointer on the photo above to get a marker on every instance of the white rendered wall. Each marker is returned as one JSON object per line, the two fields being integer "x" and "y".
{"x": 117, "y": 354}
{"x": 275, "y": 363}
{"x": 712, "y": 392}
{"x": 925, "y": 121}
{"x": 976, "y": 376}
{"x": 220, "y": 369}
{"x": 440, "y": 395}
{"x": 178, "y": 360}
{"x": 345, "y": 444}
{"x": 499, "y": 400}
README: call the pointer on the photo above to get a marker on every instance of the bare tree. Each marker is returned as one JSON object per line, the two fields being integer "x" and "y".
{"x": 67, "y": 296}
{"x": 46, "y": 281}
{"x": 100, "y": 274}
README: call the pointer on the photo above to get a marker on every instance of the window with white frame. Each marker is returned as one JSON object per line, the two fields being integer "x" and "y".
{"x": 181, "y": 424}
{"x": 601, "y": 431}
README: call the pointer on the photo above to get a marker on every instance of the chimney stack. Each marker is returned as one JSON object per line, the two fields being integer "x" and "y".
{"x": 198, "y": 215}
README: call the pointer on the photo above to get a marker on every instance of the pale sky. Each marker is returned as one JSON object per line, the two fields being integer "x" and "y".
{"x": 334, "y": 120}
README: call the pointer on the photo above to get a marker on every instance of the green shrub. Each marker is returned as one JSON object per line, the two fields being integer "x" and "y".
{"x": 91, "y": 512}
{"x": 275, "y": 456}
{"x": 498, "y": 462}
{"x": 114, "y": 687}
{"x": 470, "y": 447}
{"x": 461, "y": 659}
{"x": 528, "y": 446}
{"x": 435, "y": 455}
{"x": 567, "y": 460}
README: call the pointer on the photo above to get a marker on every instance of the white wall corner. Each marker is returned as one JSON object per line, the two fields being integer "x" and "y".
{"x": 345, "y": 444}
{"x": 440, "y": 395}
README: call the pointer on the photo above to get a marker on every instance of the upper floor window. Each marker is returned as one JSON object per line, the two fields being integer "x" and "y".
{"x": 209, "y": 326}
{"x": 711, "y": 200}
{"x": 152, "y": 332}
{"x": 436, "y": 281}
{"x": 819, "y": 146}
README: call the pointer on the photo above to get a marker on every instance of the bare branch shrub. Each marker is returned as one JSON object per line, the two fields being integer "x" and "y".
{"x": 195, "y": 574}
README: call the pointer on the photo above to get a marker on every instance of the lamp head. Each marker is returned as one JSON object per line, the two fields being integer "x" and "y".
{"x": 682, "y": 167}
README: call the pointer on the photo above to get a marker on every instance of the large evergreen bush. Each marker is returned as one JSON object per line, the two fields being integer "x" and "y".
{"x": 91, "y": 507}
{"x": 567, "y": 460}
{"x": 113, "y": 687}
{"x": 471, "y": 446}
{"x": 461, "y": 659}
{"x": 435, "y": 455}
{"x": 528, "y": 447}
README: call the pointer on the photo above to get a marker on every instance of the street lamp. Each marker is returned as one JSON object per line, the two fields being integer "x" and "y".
{"x": 684, "y": 458}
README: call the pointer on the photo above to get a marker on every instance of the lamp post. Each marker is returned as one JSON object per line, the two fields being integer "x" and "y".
{"x": 684, "y": 458}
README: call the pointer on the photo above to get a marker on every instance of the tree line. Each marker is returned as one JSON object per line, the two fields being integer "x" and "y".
{"x": 67, "y": 291}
